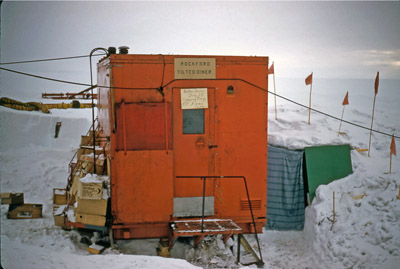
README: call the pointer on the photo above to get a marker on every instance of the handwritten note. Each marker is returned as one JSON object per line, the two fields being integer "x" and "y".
{"x": 194, "y": 98}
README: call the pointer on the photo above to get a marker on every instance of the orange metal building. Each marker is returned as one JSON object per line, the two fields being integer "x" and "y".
{"x": 174, "y": 116}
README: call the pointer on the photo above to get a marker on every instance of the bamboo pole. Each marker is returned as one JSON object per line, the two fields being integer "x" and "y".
{"x": 341, "y": 119}
{"x": 398, "y": 195}
{"x": 309, "y": 108}
{"x": 372, "y": 123}
{"x": 333, "y": 221}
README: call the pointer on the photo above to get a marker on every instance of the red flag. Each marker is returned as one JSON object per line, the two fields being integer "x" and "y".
{"x": 309, "y": 79}
{"x": 376, "y": 83}
{"x": 346, "y": 99}
{"x": 271, "y": 69}
{"x": 393, "y": 146}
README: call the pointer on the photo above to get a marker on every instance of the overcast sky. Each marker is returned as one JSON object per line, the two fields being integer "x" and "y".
{"x": 331, "y": 39}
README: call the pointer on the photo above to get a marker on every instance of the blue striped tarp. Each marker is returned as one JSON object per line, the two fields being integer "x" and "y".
{"x": 285, "y": 189}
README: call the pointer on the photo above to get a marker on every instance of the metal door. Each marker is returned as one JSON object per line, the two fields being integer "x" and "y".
{"x": 194, "y": 149}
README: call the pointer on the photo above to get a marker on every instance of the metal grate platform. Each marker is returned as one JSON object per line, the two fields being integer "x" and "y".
{"x": 199, "y": 228}
{"x": 210, "y": 226}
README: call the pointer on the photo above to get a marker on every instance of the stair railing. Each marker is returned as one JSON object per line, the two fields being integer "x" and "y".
{"x": 248, "y": 199}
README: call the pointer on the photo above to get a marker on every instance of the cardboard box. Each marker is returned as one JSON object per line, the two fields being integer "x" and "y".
{"x": 88, "y": 140}
{"x": 59, "y": 196}
{"x": 59, "y": 216}
{"x": 25, "y": 211}
{"x": 9, "y": 198}
{"x": 59, "y": 220}
{"x": 90, "y": 206}
{"x": 95, "y": 249}
{"x": 89, "y": 168}
{"x": 163, "y": 249}
{"x": 96, "y": 220}
{"x": 90, "y": 190}
{"x": 89, "y": 158}
{"x": 87, "y": 150}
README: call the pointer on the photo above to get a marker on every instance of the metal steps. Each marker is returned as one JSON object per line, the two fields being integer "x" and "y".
{"x": 199, "y": 228}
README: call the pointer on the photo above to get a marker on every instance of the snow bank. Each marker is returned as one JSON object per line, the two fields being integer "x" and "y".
{"x": 22, "y": 129}
{"x": 366, "y": 232}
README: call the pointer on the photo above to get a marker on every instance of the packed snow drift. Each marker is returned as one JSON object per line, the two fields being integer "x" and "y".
{"x": 365, "y": 233}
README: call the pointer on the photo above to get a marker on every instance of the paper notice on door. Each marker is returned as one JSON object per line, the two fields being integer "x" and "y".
{"x": 194, "y": 98}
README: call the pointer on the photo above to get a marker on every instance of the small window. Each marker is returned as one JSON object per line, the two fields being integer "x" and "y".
{"x": 193, "y": 121}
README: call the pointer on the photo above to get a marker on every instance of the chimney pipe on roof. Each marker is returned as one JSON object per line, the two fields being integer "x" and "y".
{"x": 123, "y": 50}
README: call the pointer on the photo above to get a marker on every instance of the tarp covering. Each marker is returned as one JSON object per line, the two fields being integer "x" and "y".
{"x": 285, "y": 191}
{"x": 325, "y": 164}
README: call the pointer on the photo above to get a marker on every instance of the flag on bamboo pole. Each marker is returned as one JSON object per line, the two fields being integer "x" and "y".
{"x": 373, "y": 112}
{"x": 393, "y": 152}
{"x": 346, "y": 99}
{"x": 309, "y": 82}
{"x": 376, "y": 83}
{"x": 309, "y": 79}
{"x": 271, "y": 69}
{"x": 393, "y": 147}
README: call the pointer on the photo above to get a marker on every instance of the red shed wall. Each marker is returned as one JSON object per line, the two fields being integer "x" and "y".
{"x": 149, "y": 149}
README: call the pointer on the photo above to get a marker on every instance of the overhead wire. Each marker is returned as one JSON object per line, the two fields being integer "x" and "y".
{"x": 297, "y": 103}
{"x": 174, "y": 80}
{"x": 52, "y": 59}
{"x": 45, "y": 78}
{"x": 72, "y": 82}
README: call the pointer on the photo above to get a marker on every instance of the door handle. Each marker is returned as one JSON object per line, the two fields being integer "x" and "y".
{"x": 212, "y": 146}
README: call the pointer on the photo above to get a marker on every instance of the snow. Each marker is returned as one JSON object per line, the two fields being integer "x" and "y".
{"x": 92, "y": 178}
{"x": 366, "y": 232}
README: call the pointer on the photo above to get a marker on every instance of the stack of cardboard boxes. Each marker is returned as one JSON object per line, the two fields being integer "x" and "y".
{"x": 59, "y": 205}
{"x": 87, "y": 195}
{"x": 90, "y": 205}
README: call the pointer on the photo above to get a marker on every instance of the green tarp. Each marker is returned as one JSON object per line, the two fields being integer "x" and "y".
{"x": 325, "y": 164}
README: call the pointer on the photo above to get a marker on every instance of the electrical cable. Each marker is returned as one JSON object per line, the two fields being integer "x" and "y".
{"x": 72, "y": 82}
{"x": 174, "y": 80}
{"x": 52, "y": 59}
{"x": 45, "y": 78}
{"x": 296, "y": 103}
{"x": 161, "y": 88}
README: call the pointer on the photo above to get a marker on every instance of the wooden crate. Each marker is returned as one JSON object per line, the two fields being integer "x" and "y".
{"x": 9, "y": 198}
{"x": 25, "y": 211}
{"x": 59, "y": 196}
